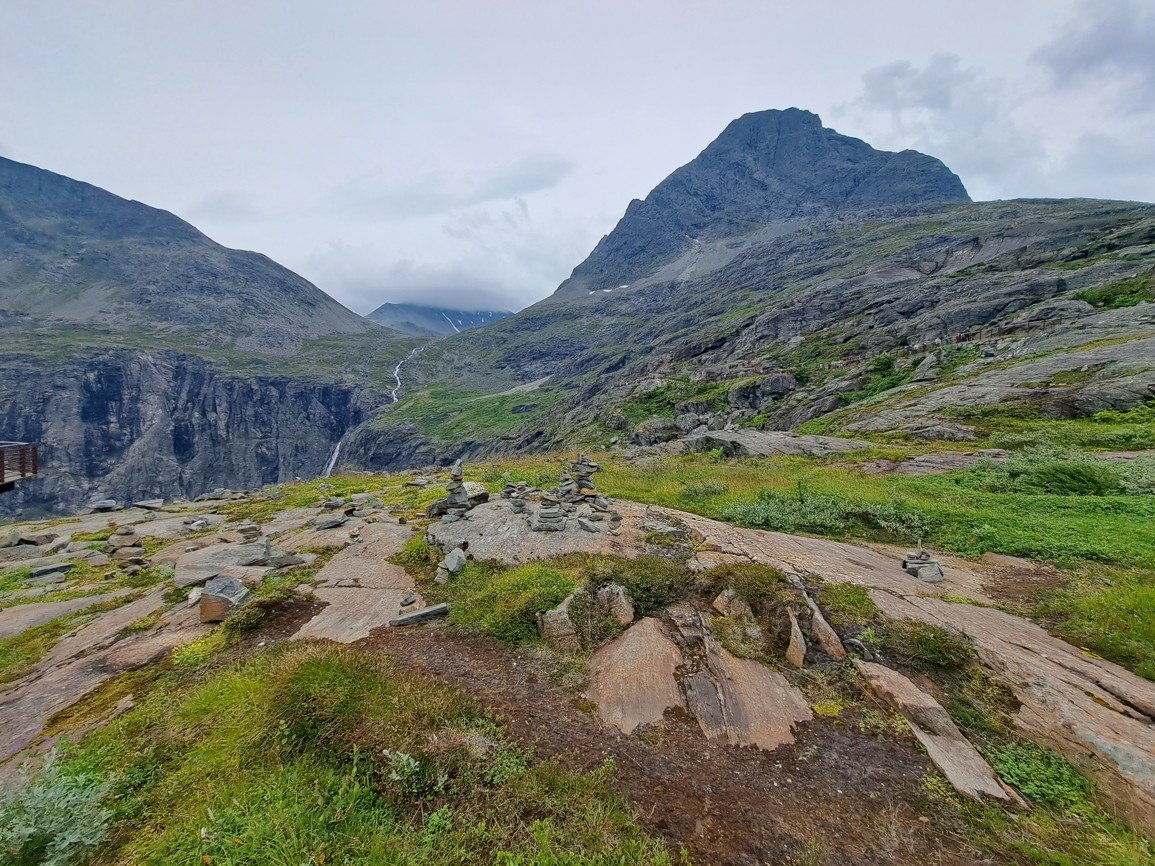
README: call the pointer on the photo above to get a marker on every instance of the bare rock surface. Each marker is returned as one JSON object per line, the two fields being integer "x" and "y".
{"x": 363, "y": 591}
{"x": 1097, "y": 714}
{"x": 207, "y": 562}
{"x": 951, "y": 752}
{"x": 632, "y": 678}
{"x": 635, "y": 678}
{"x": 758, "y": 443}
{"x": 104, "y": 629}
{"x": 19, "y": 618}
{"x": 27, "y": 705}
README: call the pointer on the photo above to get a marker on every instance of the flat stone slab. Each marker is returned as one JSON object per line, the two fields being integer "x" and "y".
{"x": 201, "y": 565}
{"x": 433, "y": 611}
{"x": 103, "y": 630}
{"x": 27, "y": 705}
{"x": 950, "y": 751}
{"x": 21, "y": 617}
{"x": 632, "y": 677}
{"x": 362, "y": 591}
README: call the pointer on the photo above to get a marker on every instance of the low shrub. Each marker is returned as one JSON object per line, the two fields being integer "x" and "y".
{"x": 758, "y": 585}
{"x": 824, "y": 514}
{"x": 52, "y": 818}
{"x": 848, "y": 604}
{"x": 922, "y": 645}
{"x": 504, "y": 603}
{"x": 1040, "y": 775}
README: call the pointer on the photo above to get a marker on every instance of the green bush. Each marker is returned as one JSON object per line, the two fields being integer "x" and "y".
{"x": 652, "y": 582}
{"x": 922, "y": 645}
{"x": 52, "y": 818}
{"x": 505, "y": 603}
{"x": 1054, "y": 471}
{"x": 758, "y": 585}
{"x": 824, "y": 514}
{"x": 703, "y": 491}
{"x": 1041, "y": 775}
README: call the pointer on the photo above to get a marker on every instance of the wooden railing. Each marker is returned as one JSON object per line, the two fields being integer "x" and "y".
{"x": 17, "y": 460}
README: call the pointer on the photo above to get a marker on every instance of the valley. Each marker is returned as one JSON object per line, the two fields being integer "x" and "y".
{"x": 808, "y": 522}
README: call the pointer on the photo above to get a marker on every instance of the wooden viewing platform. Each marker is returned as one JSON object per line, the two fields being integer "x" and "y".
{"x": 18, "y": 460}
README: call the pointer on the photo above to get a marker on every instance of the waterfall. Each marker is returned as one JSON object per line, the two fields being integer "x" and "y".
{"x": 331, "y": 463}
{"x": 397, "y": 371}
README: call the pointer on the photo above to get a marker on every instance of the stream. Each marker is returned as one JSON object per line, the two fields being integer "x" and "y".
{"x": 331, "y": 463}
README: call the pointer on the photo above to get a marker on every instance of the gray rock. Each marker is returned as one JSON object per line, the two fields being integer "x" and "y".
{"x": 686, "y": 422}
{"x": 330, "y": 522}
{"x": 423, "y": 615}
{"x": 60, "y": 568}
{"x": 558, "y": 630}
{"x": 454, "y": 561}
{"x": 656, "y": 430}
{"x": 220, "y": 597}
{"x": 615, "y": 600}
{"x": 104, "y": 505}
{"x": 149, "y": 504}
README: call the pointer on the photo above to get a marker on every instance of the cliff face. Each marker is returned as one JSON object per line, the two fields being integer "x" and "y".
{"x": 129, "y": 425}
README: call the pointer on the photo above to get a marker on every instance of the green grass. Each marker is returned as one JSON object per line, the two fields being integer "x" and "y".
{"x": 453, "y": 414}
{"x": 1108, "y": 611}
{"x": 323, "y": 754}
{"x": 1126, "y": 293}
{"x": 504, "y": 602}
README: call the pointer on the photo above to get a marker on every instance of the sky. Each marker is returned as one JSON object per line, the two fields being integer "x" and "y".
{"x": 471, "y": 154}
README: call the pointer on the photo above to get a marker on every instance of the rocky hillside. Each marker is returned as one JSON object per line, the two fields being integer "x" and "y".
{"x": 775, "y": 282}
{"x": 418, "y": 320}
{"x": 148, "y": 360}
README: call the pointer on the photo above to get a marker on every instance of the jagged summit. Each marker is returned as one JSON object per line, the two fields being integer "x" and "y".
{"x": 767, "y": 167}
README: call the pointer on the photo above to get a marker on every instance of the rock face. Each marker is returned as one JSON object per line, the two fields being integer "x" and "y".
{"x": 129, "y": 409}
{"x": 765, "y": 167}
{"x": 137, "y": 424}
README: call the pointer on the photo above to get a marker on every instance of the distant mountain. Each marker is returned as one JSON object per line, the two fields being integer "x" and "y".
{"x": 421, "y": 321}
{"x": 767, "y": 169}
{"x": 74, "y": 254}
{"x": 148, "y": 360}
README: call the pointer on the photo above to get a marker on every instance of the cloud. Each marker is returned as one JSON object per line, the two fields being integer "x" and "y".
{"x": 955, "y": 112}
{"x": 437, "y": 193}
{"x": 1109, "y": 44}
{"x": 224, "y": 207}
{"x": 364, "y": 277}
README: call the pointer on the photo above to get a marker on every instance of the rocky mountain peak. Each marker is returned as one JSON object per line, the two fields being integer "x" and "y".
{"x": 767, "y": 167}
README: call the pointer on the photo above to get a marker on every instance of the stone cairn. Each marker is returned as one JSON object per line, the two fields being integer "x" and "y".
{"x": 459, "y": 501}
{"x": 576, "y": 497}
{"x": 922, "y": 565}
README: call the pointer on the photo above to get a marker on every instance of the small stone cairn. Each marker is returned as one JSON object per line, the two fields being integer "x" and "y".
{"x": 922, "y": 565}
{"x": 459, "y": 501}
{"x": 576, "y": 496}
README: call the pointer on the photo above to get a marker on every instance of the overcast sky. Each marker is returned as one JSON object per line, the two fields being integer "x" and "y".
{"x": 472, "y": 153}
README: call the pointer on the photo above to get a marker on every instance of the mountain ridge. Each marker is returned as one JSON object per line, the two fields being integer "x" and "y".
{"x": 427, "y": 320}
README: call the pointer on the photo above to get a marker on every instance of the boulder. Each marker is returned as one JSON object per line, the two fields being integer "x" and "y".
{"x": 60, "y": 568}
{"x": 654, "y": 431}
{"x": 220, "y": 597}
{"x": 201, "y": 565}
{"x": 426, "y": 613}
{"x": 104, "y": 505}
{"x": 796, "y": 650}
{"x": 558, "y": 630}
{"x": 331, "y": 521}
{"x": 615, "y": 600}
{"x": 950, "y": 751}
{"x": 149, "y": 504}
{"x": 826, "y": 636}
{"x": 730, "y": 604}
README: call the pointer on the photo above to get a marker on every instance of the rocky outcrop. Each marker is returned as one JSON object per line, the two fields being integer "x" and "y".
{"x": 136, "y": 425}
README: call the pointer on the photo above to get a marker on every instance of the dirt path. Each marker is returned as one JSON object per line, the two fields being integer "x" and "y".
{"x": 838, "y": 792}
